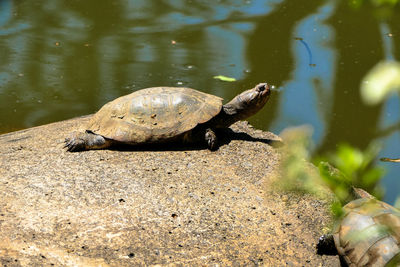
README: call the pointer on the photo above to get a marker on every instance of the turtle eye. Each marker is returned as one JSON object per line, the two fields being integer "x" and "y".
{"x": 261, "y": 87}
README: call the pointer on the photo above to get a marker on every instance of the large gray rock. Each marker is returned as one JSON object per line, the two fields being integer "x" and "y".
{"x": 138, "y": 207}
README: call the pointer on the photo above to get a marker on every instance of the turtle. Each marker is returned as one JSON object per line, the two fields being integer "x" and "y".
{"x": 166, "y": 114}
{"x": 368, "y": 233}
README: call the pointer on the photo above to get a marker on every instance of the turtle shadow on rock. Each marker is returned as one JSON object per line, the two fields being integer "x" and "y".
{"x": 225, "y": 136}
{"x": 228, "y": 135}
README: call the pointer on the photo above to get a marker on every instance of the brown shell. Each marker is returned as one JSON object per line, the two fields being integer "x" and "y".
{"x": 369, "y": 234}
{"x": 154, "y": 114}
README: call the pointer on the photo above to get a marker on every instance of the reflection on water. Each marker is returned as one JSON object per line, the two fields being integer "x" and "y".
{"x": 64, "y": 59}
{"x": 6, "y": 23}
{"x": 79, "y": 55}
{"x": 305, "y": 97}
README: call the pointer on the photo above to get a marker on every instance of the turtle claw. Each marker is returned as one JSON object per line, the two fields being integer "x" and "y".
{"x": 74, "y": 144}
{"x": 85, "y": 141}
{"x": 211, "y": 139}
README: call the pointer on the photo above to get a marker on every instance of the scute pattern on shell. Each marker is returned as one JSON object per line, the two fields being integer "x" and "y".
{"x": 154, "y": 114}
{"x": 369, "y": 234}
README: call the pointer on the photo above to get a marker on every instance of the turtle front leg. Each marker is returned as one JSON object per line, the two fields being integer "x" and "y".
{"x": 211, "y": 139}
{"x": 85, "y": 141}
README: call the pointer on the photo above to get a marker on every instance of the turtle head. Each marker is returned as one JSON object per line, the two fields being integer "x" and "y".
{"x": 249, "y": 102}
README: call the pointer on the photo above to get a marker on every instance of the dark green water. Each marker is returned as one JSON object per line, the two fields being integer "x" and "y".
{"x": 62, "y": 59}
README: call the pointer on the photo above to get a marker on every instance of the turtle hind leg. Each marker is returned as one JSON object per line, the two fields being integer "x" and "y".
{"x": 326, "y": 245}
{"x": 85, "y": 141}
{"x": 211, "y": 139}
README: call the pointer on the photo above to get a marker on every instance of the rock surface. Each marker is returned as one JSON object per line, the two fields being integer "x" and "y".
{"x": 157, "y": 206}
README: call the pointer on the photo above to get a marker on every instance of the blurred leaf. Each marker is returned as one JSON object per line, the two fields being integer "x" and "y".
{"x": 337, "y": 209}
{"x": 384, "y": 2}
{"x": 341, "y": 170}
{"x": 224, "y": 78}
{"x": 337, "y": 181}
{"x": 380, "y": 81}
{"x": 347, "y": 159}
{"x": 353, "y": 168}
{"x": 355, "y": 3}
{"x": 373, "y": 176}
{"x": 371, "y": 152}
{"x": 397, "y": 202}
{"x": 364, "y": 234}
{"x": 331, "y": 175}
{"x": 378, "y": 3}
{"x": 298, "y": 174}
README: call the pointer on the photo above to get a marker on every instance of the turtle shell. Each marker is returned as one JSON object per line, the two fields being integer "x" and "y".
{"x": 369, "y": 233}
{"x": 154, "y": 114}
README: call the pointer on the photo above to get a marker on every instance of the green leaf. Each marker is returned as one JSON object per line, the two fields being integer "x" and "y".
{"x": 380, "y": 81}
{"x": 372, "y": 176}
{"x": 337, "y": 209}
{"x": 354, "y": 167}
{"x": 224, "y": 78}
